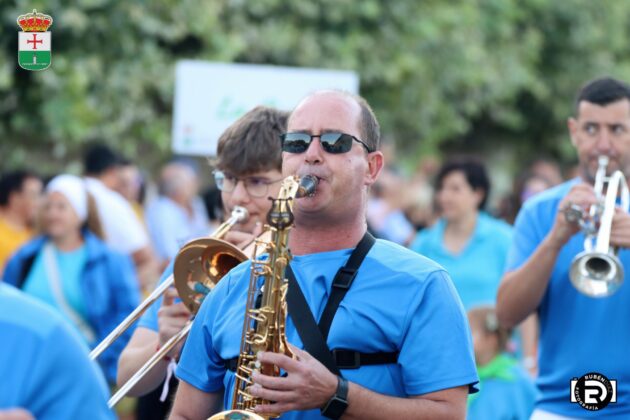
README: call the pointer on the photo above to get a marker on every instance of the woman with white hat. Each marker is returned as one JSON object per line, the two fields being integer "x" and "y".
{"x": 70, "y": 268}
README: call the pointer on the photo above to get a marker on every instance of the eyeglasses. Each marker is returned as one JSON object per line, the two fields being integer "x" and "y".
{"x": 334, "y": 143}
{"x": 256, "y": 187}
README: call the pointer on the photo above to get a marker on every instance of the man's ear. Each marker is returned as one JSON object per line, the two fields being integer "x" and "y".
{"x": 572, "y": 124}
{"x": 375, "y": 165}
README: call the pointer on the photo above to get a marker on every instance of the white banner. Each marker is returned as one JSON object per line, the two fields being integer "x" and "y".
{"x": 34, "y": 41}
{"x": 211, "y": 96}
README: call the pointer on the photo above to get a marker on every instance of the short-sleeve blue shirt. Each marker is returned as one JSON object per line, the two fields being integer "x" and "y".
{"x": 578, "y": 334}
{"x": 477, "y": 270}
{"x": 44, "y": 365}
{"x": 149, "y": 319}
{"x": 399, "y": 302}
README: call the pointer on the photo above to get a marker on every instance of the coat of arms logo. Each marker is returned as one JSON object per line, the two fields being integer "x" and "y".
{"x": 34, "y": 42}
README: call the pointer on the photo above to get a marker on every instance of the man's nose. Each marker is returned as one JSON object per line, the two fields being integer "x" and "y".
{"x": 314, "y": 152}
{"x": 240, "y": 194}
{"x": 604, "y": 142}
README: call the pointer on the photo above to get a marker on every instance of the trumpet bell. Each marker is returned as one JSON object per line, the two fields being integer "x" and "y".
{"x": 596, "y": 274}
{"x": 200, "y": 265}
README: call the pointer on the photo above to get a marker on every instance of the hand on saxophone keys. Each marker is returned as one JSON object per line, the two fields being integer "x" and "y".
{"x": 306, "y": 376}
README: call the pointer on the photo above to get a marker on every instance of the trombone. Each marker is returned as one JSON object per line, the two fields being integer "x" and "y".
{"x": 226, "y": 252}
{"x": 597, "y": 271}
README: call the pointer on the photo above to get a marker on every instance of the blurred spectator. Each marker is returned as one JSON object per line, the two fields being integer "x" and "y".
{"x": 385, "y": 216}
{"x": 548, "y": 170}
{"x": 525, "y": 186}
{"x": 465, "y": 235}
{"x": 178, "y": 214}
{"x": 70, "y": 268}
{"x": 45, "y": 367}
{"x": 505, "y": 389}
{"x": 20, "y": 192}
{"x": 131, "y": 185}
{"x": 123, "y": 230}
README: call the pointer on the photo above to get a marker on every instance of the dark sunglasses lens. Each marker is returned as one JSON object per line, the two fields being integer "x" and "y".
{"x": 295, "y": 142}
{"x": 336, "y": 142}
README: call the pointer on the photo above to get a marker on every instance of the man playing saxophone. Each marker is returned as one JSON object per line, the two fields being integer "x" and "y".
{"x": 576, "y": 333}
{"x": 399, "y": 337}
{"x": 247, "y": 171}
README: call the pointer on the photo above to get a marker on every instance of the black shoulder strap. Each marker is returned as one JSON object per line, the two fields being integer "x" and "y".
{"x": 314, "y": 337}
{"x": 342, "y": 282}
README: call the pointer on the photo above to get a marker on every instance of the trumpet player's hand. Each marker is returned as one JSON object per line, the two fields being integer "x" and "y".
{"x": 581, "y": 195}
{"x": 242, "y": 239}
{"x": 620, "y": 232}
{"x": 171, "y": 319}
{"x": 308, "y": 383}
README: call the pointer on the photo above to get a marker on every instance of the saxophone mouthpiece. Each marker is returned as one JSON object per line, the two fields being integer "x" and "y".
{"x": 308, "y": 185}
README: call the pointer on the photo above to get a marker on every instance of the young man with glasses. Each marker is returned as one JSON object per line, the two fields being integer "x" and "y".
{"x": 248, "y": 171}
{"x": 399, "y": 342}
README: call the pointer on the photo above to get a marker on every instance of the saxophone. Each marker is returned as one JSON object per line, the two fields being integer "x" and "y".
{"x": 266, "y": 310}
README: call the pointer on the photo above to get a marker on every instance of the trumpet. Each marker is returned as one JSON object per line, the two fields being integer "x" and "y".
{"x": 597, "y": 271}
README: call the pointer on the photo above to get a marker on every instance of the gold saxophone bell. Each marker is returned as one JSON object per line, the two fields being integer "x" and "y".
{"x": 597, "y": 271}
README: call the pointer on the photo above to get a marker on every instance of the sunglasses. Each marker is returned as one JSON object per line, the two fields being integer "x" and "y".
{"x": 333, "y": 143}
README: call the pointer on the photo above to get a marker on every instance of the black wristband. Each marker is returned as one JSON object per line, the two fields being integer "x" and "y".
{"x": 336, "y": 406}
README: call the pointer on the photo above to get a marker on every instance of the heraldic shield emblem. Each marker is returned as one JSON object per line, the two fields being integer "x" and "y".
{"x": 34, "y": 42}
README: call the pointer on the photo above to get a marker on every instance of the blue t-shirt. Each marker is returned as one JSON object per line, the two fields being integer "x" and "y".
{"x": 149, "y": 318}
{"x": 477, "y": 270}
{"x": 506, "y": 392}
{"x": 399, "y": 302}
{"x": 44, "y": 365}
{"x": 70, "y": 265}
{"x": 578, "y": 334}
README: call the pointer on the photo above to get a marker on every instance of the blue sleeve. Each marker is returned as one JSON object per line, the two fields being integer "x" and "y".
{"x": 12, "y": 270}
{"x": 437, "y": 351}
{"x": 124, "y": 298}
{"x": 149, "y": 319}
{"x": 64, "y": 383}
{"x": 200, "y": 365}
{"x": 525, "y": 238}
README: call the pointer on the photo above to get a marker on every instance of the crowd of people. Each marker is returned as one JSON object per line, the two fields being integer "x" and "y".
{"x": 451, "y": 306}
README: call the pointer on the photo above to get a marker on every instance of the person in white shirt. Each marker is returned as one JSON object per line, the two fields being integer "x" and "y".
{"x": 123, "y": 230}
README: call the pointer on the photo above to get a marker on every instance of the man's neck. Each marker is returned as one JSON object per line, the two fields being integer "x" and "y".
{"x": 310, "y": 239}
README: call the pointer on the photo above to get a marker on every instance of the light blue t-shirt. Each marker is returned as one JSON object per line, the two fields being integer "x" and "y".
{"x": 70, "y": 265}
{"x": 477, "y": 270}
{"x": 44, "y": 365}
{"x": 149, "y": 319}
{"x": 399, "y": 302}
{"x": 506, "y": 392}
{"x": 578, "y": 334}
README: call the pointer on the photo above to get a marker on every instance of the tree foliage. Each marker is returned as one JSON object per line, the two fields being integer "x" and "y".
{"x": 467, "y": 75}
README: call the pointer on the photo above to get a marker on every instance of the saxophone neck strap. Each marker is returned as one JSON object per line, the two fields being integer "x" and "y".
{"x": 314, "y": 336}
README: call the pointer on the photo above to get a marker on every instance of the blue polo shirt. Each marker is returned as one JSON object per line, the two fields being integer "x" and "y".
{"x": 578, "y": 334}
{"x": 399, "y": 302}
{"x": 44, "y": 365}
{"x": 477, "y": 270}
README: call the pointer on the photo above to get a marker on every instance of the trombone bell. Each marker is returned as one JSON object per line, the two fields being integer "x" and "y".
{"x": 596, "y": 274}
{"x": 199, "y": 266}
